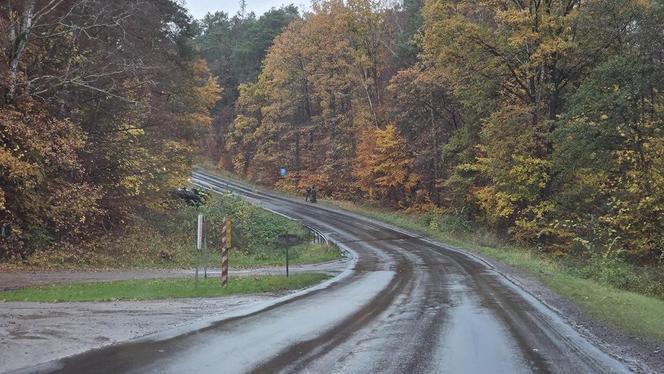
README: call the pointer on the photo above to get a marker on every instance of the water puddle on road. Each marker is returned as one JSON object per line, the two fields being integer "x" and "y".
{"x": 474, "y": 341}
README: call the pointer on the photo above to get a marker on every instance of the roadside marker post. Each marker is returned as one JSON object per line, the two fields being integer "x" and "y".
{"x": 206, "y": 253}
{"x": 226, "y": 239}
{"x": 200, "y": 233}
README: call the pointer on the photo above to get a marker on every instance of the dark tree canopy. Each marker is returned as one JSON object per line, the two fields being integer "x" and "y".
{"x": 103, "y": 104}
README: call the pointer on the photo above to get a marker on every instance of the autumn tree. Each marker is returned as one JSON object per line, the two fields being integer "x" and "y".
{"x": 540, "y": 120}
{"x": 429, "y": 116}
{"x": 103, "y": 106}
{"x": 512, "y": 63}
{"x": 384, "y": 167}
{"x": 234, "y": 47}
{"x": 523, "y": 71}
{"x": 609, "y": 146}
{"x": 321, "y": 82}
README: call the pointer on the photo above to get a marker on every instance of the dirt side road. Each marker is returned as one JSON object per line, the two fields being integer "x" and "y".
{"x": 32, "y": 333}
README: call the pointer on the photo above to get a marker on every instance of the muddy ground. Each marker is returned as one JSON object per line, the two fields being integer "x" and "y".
{"x": 33, "y": 333}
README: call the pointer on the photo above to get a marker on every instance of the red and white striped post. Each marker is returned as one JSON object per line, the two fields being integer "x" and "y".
{"x": 225, "y": 245}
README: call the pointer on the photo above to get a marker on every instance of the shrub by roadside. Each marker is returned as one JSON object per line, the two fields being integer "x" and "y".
{"x": 165, "y": 238}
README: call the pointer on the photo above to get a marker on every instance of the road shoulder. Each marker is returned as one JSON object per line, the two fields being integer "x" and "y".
{"x": 33, "y": 333}
{"x": 633, "y": 349}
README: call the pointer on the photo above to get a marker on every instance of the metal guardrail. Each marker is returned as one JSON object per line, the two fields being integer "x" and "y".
{"x": 319, "y": 237}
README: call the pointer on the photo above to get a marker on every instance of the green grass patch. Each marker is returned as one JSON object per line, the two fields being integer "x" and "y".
{"x": 162, "y": 288}
{"x": 308, "y": 253}
{"x": 638, "y": 314}
{"x": 593, "y": 285}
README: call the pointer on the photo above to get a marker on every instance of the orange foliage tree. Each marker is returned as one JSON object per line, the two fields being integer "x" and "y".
{"x": 384, "y": 166}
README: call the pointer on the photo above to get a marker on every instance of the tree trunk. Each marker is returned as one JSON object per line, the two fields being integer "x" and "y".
{"x": 18, "y": 40}
{"x": 434, "y": 134}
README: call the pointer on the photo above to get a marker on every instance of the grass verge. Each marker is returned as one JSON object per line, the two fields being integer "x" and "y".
{"x": 301, "y": 254}
{"x": 633, "y": 312}
{"x": 152, "y": 289}
{"x": 637, "y": 314}
{"x": 165, "y": 239}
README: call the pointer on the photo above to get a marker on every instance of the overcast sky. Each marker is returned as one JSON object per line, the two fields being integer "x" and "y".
{"x": 200, "y": 8}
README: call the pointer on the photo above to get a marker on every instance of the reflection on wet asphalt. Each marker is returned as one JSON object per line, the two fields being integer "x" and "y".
{"x": 411, "y": 306}
{"x": 475, "y": 341}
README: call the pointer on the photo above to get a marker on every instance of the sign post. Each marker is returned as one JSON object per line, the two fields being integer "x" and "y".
{"x": 287, "y": 240}
{"x": 205, "y": 253}
{"x": 226, "y": 231}
{"x": 200, "y": 239}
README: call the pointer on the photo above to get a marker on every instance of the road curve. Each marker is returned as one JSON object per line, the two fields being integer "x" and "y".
{"x": 409, "y": 306}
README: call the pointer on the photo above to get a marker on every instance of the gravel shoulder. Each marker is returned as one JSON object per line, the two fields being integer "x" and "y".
{"x": 646, "y": 355}
{"x": 642, "y": 355}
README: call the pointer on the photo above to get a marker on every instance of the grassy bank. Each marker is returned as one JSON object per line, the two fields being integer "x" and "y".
{"x": 298, "y": 255}
{"x": 161, "y": 288}
{"x": 593, "y": 285}
{"x": 165, "y": 238}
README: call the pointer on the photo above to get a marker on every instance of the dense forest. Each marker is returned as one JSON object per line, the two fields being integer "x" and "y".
{"x": 541, "y": 120}
{"x": 102, "y": 104}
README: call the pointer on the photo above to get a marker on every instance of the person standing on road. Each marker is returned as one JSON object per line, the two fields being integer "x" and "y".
{"x": 313, "y": 198}
{"x": 308, "y": 195}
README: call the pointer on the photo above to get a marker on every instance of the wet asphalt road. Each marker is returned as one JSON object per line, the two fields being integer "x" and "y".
{"x": 409, "y": 306}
